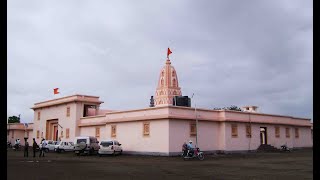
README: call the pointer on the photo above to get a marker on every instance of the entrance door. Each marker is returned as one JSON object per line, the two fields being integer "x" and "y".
{"x": 263, "y": 135}
{"x": 55, "y": 133}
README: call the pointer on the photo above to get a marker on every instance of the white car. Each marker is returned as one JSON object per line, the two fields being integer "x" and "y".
{"x": 64, "y": 146}
{"x": 110, "y": 147}
{"x": 50, "y": 145}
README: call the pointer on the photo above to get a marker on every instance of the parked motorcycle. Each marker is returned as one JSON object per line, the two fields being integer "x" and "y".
{"x": 285, "y": 148}
{"x": 16, "y": 147}
{"x": 197, "y": 153}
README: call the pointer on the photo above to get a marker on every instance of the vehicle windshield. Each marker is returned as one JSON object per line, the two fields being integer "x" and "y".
{"x": 56, "y": 143}
{"x": 106, "y": 143}
{"x": 81, "y": 141}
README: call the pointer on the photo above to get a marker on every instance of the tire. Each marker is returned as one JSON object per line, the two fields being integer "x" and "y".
{"x": 62, "y": 150}
{"x": 46, "y": 150}
{"x": 200, "y": 156}
{"x": 91, "y": 151}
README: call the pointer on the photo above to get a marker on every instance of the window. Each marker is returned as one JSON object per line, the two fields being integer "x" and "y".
{"x": 288, "y": 132}
{"x": 174, "y": 82}
{"x": 38, "y": 115}
{"x": 38, "y": 134}
{"x": 234, "y": 130}
{"x": 67, "y": 132}
{"x": 61, "y": 135}
{"x": 81, "y": 141}
{"x": 97, "y": 132}
{"x": 248, "y": 130}
{"x": 193, "y": 129}
{"x": 277, "y": 131}
{"x": 247, "y": 108}
{"x": 106, "y": 143}
{"x": 146, "y": 129}
{"x": 68, "y": 111}
{"x": 296, "y": 130}
{"x": 113, "y": 130}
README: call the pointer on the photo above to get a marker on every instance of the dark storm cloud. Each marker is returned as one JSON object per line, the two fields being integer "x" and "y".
{"x": 226, "y": 52}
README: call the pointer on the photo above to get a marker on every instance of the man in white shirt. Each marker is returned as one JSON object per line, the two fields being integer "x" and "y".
{"x": 42, "y": 149}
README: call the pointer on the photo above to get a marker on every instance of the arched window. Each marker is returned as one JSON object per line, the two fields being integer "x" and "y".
{"x": 162, "y": 73}
{"x": 161, "y": 82}
{"x": 173, "y": 73}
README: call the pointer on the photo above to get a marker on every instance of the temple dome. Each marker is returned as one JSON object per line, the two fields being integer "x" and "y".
{"x": 168, "y": 85}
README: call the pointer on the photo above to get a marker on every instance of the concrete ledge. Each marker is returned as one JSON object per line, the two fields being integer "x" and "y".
{"x": 301, "y": 148}
{"x": 213, "y": 152}
{"x": 145, "y": 153}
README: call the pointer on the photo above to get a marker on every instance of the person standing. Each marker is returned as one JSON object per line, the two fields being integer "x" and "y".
{"x": 43, "y": 145}
{"x": 34, "y": 147}
{"x": 26, "y": 148}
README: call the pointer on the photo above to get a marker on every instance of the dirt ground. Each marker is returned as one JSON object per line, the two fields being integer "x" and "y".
{"x": 292, "y": 165}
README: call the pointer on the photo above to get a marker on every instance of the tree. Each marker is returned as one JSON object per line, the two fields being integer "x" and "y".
{"x": 234, "y": 108}
{"x": 14, "y": 119}
{"x": 231, "y": 108}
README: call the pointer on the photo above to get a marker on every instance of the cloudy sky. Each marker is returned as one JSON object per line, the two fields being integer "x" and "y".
{"x": 227, "y": 52}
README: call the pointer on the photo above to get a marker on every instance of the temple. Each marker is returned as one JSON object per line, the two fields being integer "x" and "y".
{"x": 162, "y": 129}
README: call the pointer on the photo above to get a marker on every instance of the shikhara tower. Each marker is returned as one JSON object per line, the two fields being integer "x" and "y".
{"x": 168, "y": 86}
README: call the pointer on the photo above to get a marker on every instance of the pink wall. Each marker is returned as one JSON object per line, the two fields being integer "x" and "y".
{"x": 91, "y": 131}
{"x": 243, "y": 143}
{"x": 179, "y": 132}
{"x": 130, "y": 135}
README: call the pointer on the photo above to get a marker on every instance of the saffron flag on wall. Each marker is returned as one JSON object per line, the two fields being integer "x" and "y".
{"x": 55, "y": 91}
{"x": 169, "y": 52}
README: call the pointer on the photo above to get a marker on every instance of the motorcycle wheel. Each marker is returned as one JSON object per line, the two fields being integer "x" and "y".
{"x": 200, "y": 156}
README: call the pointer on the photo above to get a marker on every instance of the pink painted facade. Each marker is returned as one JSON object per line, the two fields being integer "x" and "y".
{"x": 19, "y": 131}
{"x": 162, "y": 129}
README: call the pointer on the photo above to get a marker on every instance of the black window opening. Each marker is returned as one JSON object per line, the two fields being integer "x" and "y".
{"x": 86, "y": 109}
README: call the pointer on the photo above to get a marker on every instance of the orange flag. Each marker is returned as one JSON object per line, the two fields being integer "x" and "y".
{"x": 55, "y": 91}
{"x": 169, "y": 52}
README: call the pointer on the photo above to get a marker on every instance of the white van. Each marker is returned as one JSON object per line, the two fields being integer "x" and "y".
{"x": 86, "y": 145}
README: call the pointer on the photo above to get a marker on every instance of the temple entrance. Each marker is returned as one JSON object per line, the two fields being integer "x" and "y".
{"x": 52, "y": 129}
{"x": 263, "y": 135}
{"x": 55, "y": 132}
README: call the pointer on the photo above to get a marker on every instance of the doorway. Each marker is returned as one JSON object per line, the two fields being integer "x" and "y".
{"x": 55, "y": 133}
{"x": 52, "y": 129}
{"x": 263, "y": 135}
